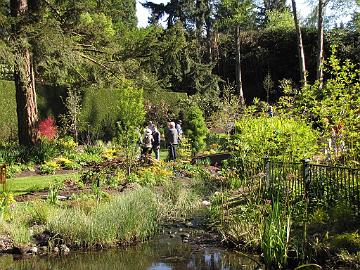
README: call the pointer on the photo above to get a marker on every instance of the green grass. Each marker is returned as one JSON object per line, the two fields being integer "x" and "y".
{"x": 163, "y": 153}
{"x": 25, "y": 185}
{"x": 130, "y": 217}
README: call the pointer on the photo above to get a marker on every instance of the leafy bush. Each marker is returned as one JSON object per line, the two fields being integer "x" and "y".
{"x": 47, "y": 128}
{"x": 184, "y": 149}
{"x": 195, "y": 128}
{"x": 152, "y": 175}
{"x": 66, "y": 163}
{"x": 7, "y": 202}
{"x": 44, "y": 151}
{"x": 67, "y": 145}
{"x": 109, "y": 154}
{"x": 347, "y": 241}
{"x": 85, "y": 158}
{"x": 93, "y": 149}
{"x": 93, "y": 177}
{"x": 160, "y": 106}
{"x": 49, "y": 167}
{"x": 334, "y": 109}
{"x": 276, "y": 137}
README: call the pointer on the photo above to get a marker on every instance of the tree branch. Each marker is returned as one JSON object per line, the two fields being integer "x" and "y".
{"x": 97, "y": 63}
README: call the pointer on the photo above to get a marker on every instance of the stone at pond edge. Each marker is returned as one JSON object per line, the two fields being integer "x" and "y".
{"x": 206, "y": 203}
{"x": 6, "y": 244}
{"x": 64, "y": 249}
{"x": 185, "y": 235}
{"x": 33, "y": 250}
{"x": 43, "y": 249}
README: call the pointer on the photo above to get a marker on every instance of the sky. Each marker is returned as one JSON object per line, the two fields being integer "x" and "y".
{"x": 143, "y": 14}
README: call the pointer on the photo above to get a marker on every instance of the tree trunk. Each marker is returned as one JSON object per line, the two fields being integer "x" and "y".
{"x": 209, "y": 39}
{"x": 302, "y": 65}
{"x": 26, "y": 107}
{"x": 320, "y": 43}
{"x": 239, "y": 87}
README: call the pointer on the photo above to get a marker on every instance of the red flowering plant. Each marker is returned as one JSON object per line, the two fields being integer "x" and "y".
{"x": 47, "y": 128}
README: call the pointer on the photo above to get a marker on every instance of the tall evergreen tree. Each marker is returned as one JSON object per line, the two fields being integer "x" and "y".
{"x": 22, "y": 12}
{"x": 266, "y": 6}
{"x": 191, "y": 69}
{"x": 59, "y": 41}
{"x": 236, "y": 15}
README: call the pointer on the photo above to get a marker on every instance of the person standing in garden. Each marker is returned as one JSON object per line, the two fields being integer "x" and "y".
{"x": 270, "y": 111}
{"x": 147, "y": 143}
{"x": 156, "y": 143}
{"x": 179, "y": 129}
{"x": 171, "y": 139}
{"x": 151, "y": 126}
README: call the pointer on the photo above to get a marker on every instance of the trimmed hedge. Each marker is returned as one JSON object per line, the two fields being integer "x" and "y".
{"x": 103, "y": 108}
{"x": 8, "y": 119}
{"x": 49, "y": 101}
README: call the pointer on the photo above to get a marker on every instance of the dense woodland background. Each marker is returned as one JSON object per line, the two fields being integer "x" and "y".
{"x": 74, "y": 47}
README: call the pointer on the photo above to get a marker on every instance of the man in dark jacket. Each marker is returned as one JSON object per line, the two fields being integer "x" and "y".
{"x": 171, "y": 139}
{"x": 156, "y": 143}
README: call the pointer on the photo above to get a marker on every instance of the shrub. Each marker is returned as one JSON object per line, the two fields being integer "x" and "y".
{"x": 277, "y": 137}
{"x": 67, "y": 145}
{"x": 47, "y": 128}
{"x": 66, "y": 163}
{"x": 49, "y": 167}
{"x": 152, "y": 175}
{"x": 347, "y": 241}
{"x": 333, "y": 108}
{"x": 160, "y": 105}
{"x": 195, "y": 128}
{"x": 7, "y": 202}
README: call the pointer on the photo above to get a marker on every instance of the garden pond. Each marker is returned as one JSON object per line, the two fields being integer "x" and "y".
{"x": 165, "y": 252}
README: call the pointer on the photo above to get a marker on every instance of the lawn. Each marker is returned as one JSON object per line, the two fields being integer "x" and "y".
{"x": 25, "y": 185}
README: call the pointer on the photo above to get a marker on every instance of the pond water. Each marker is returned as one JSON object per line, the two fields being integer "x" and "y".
{"x": 161, "y": 253}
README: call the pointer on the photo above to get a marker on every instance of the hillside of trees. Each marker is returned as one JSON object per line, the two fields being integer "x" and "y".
{"x": 198, "y": 47}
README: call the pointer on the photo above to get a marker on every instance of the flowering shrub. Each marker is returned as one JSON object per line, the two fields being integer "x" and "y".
{"x": 7, "y": 202}
{"x": 47, "y": 128}
{"x": 152, "y": 175}
{"x": 108, "y": 154}
{"x": 49, "y": 167}
{"x": 66, "y": 163}
{"x": 67, "y": 145}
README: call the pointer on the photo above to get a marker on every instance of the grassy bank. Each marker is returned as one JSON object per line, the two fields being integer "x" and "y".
{"x": 123, "y": 219}
{"x": 287, "y": 234}
{"x": 23, "y": 185}
{"x": 87, "y": 222}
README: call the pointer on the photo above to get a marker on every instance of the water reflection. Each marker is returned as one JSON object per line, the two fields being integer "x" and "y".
{"x": 158, "y": 254}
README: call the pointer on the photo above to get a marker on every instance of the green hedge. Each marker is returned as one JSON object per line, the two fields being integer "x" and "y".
{"x": 49, "y": 99}
{"x": 8, "y": 120}
{"x": 103, "y": 108}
